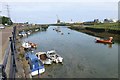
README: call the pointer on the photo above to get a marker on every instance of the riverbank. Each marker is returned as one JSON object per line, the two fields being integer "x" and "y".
{"x": 98, "y": 32}
{"x": 105, "y": 27}
{"x": 30, "y": 27}
{"x": 21, "y": 62}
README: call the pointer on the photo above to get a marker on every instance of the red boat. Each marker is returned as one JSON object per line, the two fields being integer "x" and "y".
{"x": 109, "y": 41}
{"x": 33, "y": 45}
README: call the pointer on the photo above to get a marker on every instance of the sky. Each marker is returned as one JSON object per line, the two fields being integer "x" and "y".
{"x": 119, "y": 10}
{"x": 45, "y": 11}
{"x": 59, "y": 0}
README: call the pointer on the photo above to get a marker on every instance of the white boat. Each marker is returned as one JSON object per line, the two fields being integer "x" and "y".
{"x": 22, "y": 34}
{"x": 54, "y": 56}
{"x": 36, "y": 66}
{"x": 44, "y": 58}
{"x": 36, "y": 30}
{"x": 28, "y": 32}
{"x": 26, "y": 45}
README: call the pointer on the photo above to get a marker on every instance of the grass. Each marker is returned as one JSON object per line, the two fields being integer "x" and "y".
{"x": 107, "y": 26}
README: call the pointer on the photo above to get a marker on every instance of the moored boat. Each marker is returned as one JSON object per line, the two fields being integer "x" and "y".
{"x": 109, "y": 41}
{"x": 28, "y": 32}
{"x": 29, "y": 45}
{"x": 44, "y": 58}
{"x": 54, "y": 56}
{"x": 26, "y": 45}
{"x": 36, "y": 66}
{"x": 23, "y": 33}
{"x": 33, "y": 45}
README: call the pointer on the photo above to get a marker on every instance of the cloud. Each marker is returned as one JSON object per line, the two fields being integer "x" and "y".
{"x": 46, "y": 10}
{"x": 59, "y": 1}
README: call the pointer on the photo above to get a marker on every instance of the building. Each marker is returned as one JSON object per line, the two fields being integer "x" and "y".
{"x": 96, "y": 21}
{"x": 109, "y": 20}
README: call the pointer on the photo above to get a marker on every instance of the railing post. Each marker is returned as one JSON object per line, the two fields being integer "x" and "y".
{"x": 14, "y": 42}
{"x": 11, "y": 45}
{"x": 11, "y": 66}
{"x": 13, "y": 51}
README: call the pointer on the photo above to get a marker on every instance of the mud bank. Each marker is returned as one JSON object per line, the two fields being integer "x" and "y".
{"x": 102, "y": 33}
{"x": 102, "y": 30}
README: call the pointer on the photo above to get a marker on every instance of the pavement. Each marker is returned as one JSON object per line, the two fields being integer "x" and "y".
{"x": 4, "y": 40}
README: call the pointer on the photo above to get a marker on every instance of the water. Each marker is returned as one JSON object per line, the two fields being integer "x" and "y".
{"x": 83, "y": 58}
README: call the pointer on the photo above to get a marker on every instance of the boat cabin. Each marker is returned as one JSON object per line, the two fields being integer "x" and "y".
{"x": 36, "y": 66}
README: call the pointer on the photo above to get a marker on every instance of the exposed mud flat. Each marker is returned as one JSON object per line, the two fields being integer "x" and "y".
{"x": 99, "y": 33}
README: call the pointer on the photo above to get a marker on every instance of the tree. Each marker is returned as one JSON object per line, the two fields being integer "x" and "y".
{"x": 6, "y": 20}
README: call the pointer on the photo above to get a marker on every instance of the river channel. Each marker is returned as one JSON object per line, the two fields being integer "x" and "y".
{"x": 83, "y": 58}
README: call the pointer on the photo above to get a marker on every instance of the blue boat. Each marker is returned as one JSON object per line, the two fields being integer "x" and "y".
{"x": 36, "y": 66}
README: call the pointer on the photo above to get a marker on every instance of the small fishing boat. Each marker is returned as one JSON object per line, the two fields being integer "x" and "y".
{"x": 33, "y": 45}
{"x": 109, "y": 41}
{"x": 22, "y": 34}
{"x": 44, "y": 58}
{"x": 57, "y": 29}
{"x": 26, "y": 45}
{"x": 36, "y": 66}
{"x": 54, "y": 56}
{"x": 36, "y": 30}
{"x": 28, "y": 32}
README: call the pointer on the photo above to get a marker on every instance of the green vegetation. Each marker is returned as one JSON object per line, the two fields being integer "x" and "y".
{"x": 5, "y": 20}
{"x": 106, "y": 26}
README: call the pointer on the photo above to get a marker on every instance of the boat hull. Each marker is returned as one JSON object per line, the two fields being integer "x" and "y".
{"x": 54, "y": 56}
{"x": 36, "y": 72}
{"x": 103, "y": 41}
{"x": 44, "y": 58}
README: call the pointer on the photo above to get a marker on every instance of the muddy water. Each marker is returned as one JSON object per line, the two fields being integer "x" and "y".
{"x": 83, "y": 58}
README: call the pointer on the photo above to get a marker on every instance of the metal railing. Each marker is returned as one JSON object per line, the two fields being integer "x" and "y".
{"x": 13, "y": 69}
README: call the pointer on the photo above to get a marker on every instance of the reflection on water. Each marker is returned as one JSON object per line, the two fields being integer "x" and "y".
{"x": 109, "y": 45}
{"x": 83, "y": 58}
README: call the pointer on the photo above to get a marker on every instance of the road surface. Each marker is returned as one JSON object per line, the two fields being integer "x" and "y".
{"x": 4, "y": 39}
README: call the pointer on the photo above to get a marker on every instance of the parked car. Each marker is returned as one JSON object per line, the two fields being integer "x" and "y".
{"x": 2, "y": 26}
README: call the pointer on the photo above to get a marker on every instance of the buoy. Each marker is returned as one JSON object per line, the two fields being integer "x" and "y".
{"x": 61, "y": 33}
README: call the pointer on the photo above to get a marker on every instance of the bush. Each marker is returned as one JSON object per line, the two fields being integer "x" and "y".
{"x": 6, "y": 20}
